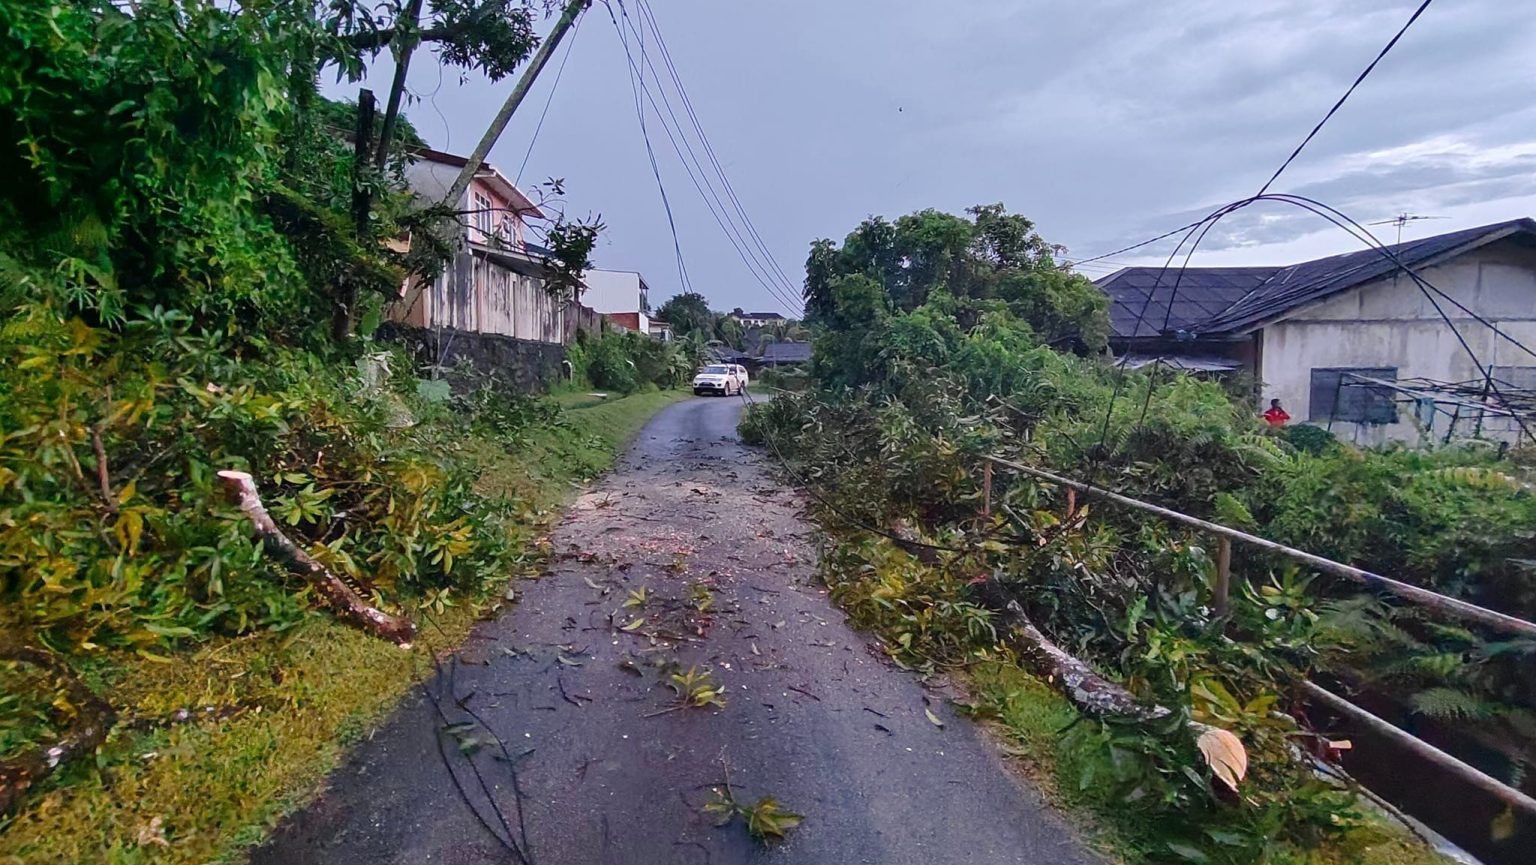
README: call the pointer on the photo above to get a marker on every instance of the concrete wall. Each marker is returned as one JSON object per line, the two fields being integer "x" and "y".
{"x": 611, "y": 291}
{"x": 1390, "y": 323}
{"x": 471, "y": 360}
{"x": 480, "y": 291}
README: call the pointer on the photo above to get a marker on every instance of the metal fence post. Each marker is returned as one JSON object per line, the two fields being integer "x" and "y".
{"x": 1223, "y": 584}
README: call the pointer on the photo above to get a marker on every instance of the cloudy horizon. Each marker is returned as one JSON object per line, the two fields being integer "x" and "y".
{"x": 1104, "y": 122}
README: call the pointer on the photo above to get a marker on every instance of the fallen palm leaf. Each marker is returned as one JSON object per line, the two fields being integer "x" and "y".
{"x": 1224, "y": 753}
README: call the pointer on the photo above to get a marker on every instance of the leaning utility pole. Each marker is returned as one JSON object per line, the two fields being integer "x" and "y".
{"x": 467, "y": 173}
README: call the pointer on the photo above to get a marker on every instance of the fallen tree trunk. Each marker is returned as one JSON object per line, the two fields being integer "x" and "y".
{"x": 93, "y": 720}
{"x": 1076, "y": 681}
{"x": 346, "y": 602}
{"x": 1096, "y": 695}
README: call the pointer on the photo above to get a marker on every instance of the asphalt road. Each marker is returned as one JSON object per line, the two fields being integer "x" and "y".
{"x": 608, "y": 768}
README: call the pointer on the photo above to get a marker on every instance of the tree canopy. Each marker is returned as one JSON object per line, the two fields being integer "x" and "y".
{"x": 687, "y": 313}
{"x": 927, "y": 277}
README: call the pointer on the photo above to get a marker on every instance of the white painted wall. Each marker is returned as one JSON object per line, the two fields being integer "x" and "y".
{"x": 1390, "y": 323}
{"x": 610, "y": 291}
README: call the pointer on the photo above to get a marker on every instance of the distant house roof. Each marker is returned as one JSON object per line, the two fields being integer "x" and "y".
{"x": 770, "y": 316}
{"x": 726, "y": 354}
{"x": 786, "y": 352}
{"x": 1236, "y": 300}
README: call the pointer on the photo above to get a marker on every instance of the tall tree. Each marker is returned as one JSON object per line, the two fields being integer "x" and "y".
{"x": 688, "y": 312}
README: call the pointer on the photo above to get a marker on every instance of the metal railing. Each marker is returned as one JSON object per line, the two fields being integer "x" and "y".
{"x": 1220, "y": 587}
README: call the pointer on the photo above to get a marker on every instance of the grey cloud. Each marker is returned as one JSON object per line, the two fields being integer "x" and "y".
{"x": 1105, "y": 122}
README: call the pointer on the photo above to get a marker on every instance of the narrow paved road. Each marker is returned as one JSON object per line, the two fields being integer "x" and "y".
{"x": 609, "y": 770}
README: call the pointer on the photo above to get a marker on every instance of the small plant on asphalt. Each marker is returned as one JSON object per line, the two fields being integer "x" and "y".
{"x": 698, "y": 689}
{"x": 767, "y": 820}
{"x": 637, "y": 598}
{"x": 700, "y": 596}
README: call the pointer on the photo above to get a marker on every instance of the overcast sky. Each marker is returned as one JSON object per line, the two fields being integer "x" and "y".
{"x": 1104, "y": 121}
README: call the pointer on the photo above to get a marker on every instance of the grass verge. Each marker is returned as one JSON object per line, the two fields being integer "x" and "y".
{"x": 202, "y": 792}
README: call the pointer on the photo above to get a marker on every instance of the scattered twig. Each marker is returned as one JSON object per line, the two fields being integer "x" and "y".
{"x": 574, "y": 701}
{"x": 800, "y": 690}
{"x": 1392, "y": 811}
{"x": 192, "y": 715}
{"x": 102, "y": 477}
{"x": 94, "y": 718}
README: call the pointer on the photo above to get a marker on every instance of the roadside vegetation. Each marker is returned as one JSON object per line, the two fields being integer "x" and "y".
{"x": 942, "y": 339}
{"x": 192, "y": 265}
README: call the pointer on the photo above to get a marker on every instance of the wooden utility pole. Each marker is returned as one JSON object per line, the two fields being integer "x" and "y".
{"x": 403, "y": 53}
{"x": 524, "y": 84}
{"x": 362, "y": 143}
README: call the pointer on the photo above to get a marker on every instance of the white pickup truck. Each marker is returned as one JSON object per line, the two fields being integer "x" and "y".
{"x": 724, "y": 379}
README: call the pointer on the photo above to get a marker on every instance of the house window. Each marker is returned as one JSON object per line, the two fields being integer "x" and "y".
{"x": 1340, "y": 394}
{"x": 483, "y": 216}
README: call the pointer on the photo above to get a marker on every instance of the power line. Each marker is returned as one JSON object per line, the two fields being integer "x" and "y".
{"x": 1305, "y": 141}
{"x": 666, "y": 203}
{"x": 722, "y": 215}
{"x": 539, "y": 127}
{"x": 1342, "y": 99}
{"x": 1148, "y": 242}
{"x": 762, "y": 267}
{"x": 1203, "y": 226}
{"x": 709, "y": 149}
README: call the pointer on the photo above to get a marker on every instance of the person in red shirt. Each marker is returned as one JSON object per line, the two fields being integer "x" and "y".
{"x": 1276, "y": 416}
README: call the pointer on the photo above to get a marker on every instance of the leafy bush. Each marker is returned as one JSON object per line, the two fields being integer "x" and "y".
{"x": 1308, "y": 438}
{"x": 148, "y": 417}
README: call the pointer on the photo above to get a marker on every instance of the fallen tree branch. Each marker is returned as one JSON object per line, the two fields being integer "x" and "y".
{"x": 94, "y": 718}
{"x": 1074, "y": 679}
{"x": 1096, "y": 695}
{"x": 342, "y": 598}
{"x": 102, "y": 478}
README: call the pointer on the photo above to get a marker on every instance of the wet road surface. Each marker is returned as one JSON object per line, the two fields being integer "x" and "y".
{"x": 609, "y": 769}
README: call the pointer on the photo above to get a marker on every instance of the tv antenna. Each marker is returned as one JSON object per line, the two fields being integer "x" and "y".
{"x": 1403, "y": 219}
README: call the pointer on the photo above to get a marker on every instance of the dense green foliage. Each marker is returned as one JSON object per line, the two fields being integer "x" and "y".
{"x": 182, "y": 219}
{"x": 926, "y": 361}
{"x": 629, "y": 362}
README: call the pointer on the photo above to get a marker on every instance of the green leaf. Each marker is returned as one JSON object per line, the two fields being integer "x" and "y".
{"x": 1188, "y": 853}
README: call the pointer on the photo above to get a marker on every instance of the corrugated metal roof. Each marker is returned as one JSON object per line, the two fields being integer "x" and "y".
{"x": 1233, "y": 300}
{"x": 786, "y": 352}
{"x": 1203, "y": 292}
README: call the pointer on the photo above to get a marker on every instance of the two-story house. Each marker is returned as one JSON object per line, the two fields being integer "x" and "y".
{"x": 1351, "y": 342}
{"x": 495, "y": 282}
